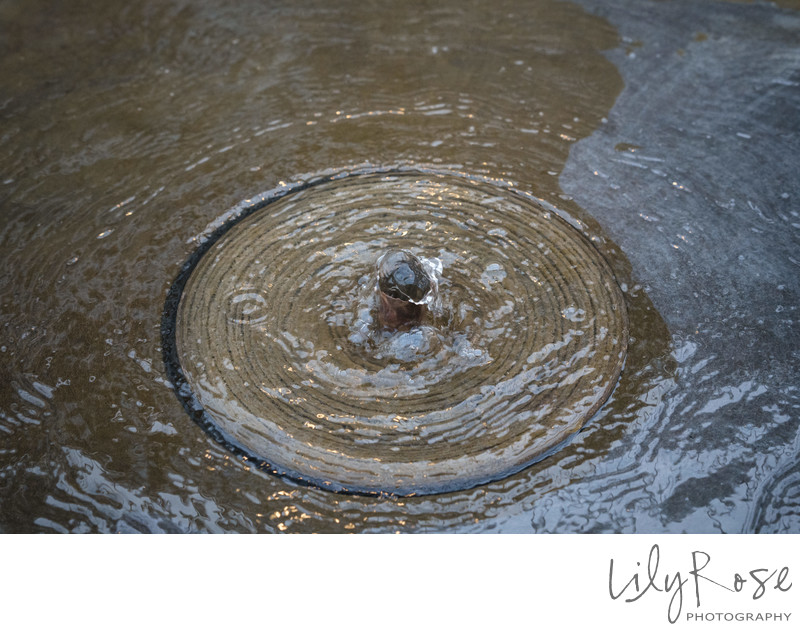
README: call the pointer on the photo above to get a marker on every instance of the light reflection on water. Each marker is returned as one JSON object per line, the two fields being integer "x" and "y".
{"x": 492, "y": 378}
{"x": 129, "y": 133}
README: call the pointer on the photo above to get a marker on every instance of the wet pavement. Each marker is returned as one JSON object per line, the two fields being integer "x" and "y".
{"x": 668, "y": 132}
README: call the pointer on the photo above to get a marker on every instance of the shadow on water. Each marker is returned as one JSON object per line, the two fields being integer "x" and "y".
{"x": 129, "y": 134}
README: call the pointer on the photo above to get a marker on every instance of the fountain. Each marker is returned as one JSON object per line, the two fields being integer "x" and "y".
{"x": 430, "y": 375}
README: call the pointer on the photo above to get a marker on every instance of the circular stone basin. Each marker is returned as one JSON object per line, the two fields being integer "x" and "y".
{"x": 273, "y": 345}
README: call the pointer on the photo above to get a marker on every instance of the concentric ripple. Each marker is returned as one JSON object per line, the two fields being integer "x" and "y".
{"x": 275, "y": 348}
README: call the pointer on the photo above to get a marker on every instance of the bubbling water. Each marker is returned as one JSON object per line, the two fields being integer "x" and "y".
{"x": 406, "y": 286}
{"x": 278, "y": 349}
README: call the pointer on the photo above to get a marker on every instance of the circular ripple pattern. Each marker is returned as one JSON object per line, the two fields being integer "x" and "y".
{"x": 273, "y": 343}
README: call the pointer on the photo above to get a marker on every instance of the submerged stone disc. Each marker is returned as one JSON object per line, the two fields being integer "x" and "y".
{"x": 276, "y": 350}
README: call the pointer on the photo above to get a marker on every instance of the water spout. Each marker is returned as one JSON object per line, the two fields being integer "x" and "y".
{"x": 404, "y": 288}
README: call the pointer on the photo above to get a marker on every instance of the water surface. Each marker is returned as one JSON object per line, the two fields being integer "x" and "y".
{"x": 666, "y": 132}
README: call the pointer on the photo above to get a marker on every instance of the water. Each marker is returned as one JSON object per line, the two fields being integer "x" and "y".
{"x": 272, "y": 331}
{"x": 130, "y": 133}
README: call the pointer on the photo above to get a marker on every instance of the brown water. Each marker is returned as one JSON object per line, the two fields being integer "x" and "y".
{"x": 272, "y": 329}
{"x": 129, "y": 133}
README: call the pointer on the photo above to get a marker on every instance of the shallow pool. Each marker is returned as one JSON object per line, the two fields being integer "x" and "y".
{"x": 668, "y": 133}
